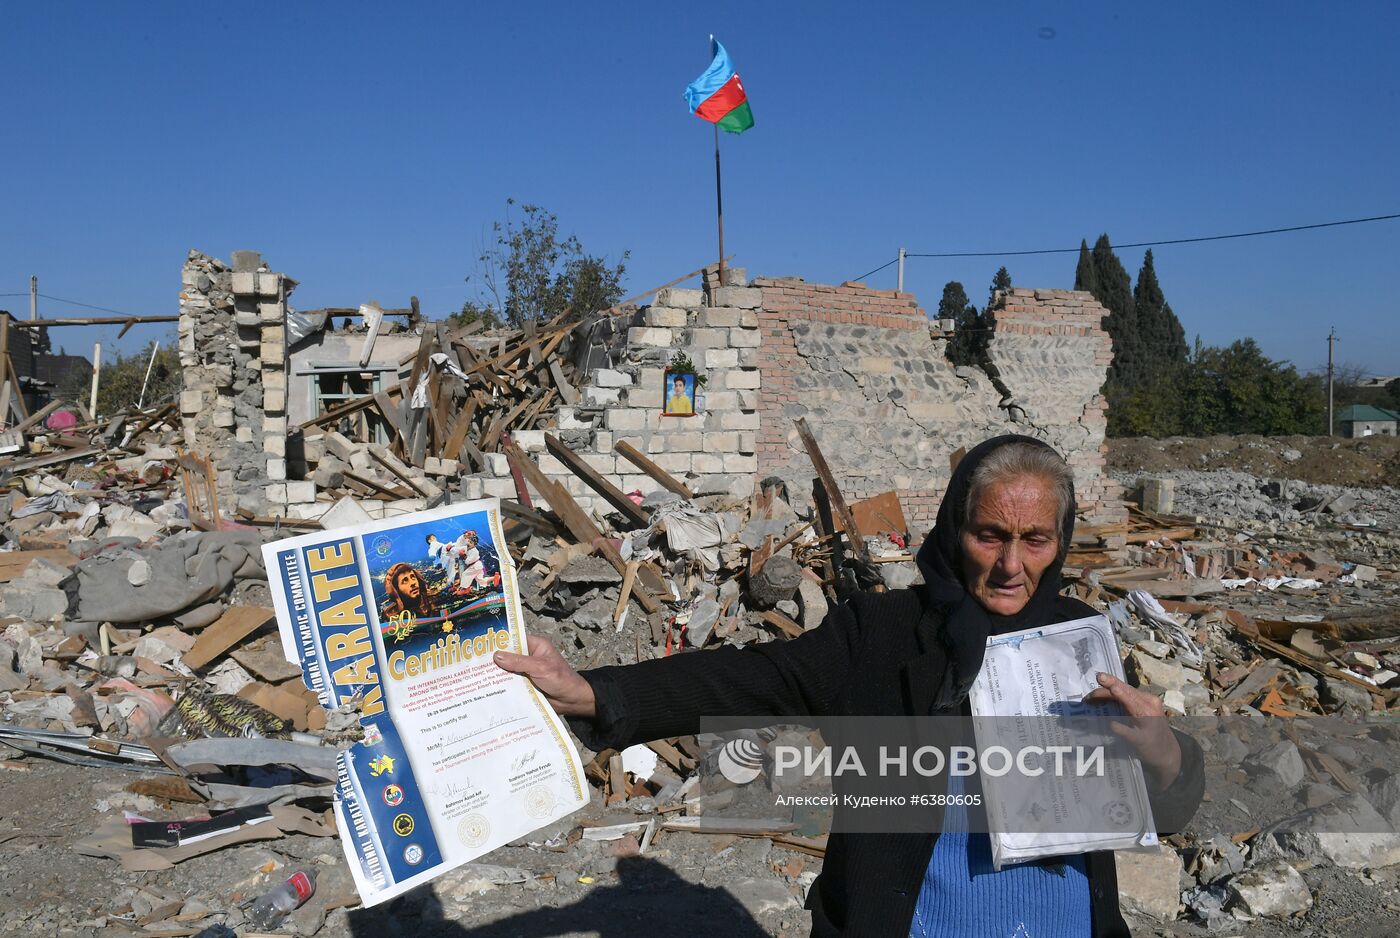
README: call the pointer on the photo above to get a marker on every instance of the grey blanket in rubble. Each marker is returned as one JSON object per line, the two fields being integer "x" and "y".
{"x": 179, "y": 572}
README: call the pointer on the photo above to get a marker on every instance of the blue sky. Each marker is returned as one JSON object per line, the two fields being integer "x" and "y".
{"x": 365, "y": 150}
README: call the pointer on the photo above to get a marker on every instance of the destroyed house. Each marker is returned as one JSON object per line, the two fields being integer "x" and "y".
{"x": 300, "y": 408}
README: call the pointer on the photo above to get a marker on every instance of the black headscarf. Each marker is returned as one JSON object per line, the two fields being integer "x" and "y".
{"x": 964, "y": 622}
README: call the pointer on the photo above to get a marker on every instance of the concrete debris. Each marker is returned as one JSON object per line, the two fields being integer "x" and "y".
{"x": 1280, "y": 763}
{"x": 1148, "y": 882}
{"x": 1271, "y": 889}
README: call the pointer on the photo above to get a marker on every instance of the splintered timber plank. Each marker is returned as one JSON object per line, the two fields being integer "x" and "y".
{"x": 566, "y": 390}
{"x": 833, "y": 491}
{"x": 375, "y": 486}
{"x": 533, "y": 414}
{"x": 493, "y": 434}
{"x": 580, "y": 526}
{"x": 729, "y": 825}
{"x": 151, "y": 421}
{"x": 559, "y": 336}
{"x": 529, "y": 517}
{"x": 1323, "y": 668}
{"x": 476, "y": 368}
{"x": 14, "y": 563}
{"x": 50, "y": 459}
{"x": 667, "y": 481}
{"x": 788, "y": 627}
{"x": 17, "y": 401}
{"x": 378, "y": 456}
{"x": 595, "y": 480}
{"x": 389, "y": 412}
{"x": 231, "y": 628}
{"x": 341, "y": 410}
{"x": 39, "y": 415}
{"x": 460, "y": 429}
{"x": 416, "y": 418}
{"x": 439, "y": 401}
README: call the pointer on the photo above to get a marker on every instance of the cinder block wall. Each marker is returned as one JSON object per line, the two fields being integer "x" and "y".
{"x": 714, "y": 450}
{"x": 871, "y": 375}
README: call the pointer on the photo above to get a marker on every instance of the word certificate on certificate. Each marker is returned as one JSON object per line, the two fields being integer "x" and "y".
{"x": 400, "y": 619}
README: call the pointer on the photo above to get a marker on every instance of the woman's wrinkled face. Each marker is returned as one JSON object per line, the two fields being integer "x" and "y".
{"x": 1010, "y": 538}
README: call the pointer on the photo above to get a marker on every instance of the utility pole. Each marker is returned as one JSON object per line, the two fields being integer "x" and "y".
{"x": 1331, "y": 341}
{"x": 900, "y": 286}
{"x": 33, "y": 298}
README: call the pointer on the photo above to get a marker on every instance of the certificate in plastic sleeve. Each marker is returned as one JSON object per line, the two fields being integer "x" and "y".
{"x": 1028, "y": 697}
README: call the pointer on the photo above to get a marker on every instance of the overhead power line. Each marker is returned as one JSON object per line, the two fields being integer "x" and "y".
{"x": 1148, "y": 244}
{"x": 880, "y": 268}
{"x": 59, "y": 299}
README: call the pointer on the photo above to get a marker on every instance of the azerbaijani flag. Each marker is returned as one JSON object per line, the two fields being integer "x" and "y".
{"x": 718, "y": 96}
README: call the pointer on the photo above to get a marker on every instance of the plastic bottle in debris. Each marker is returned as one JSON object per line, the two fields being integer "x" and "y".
{"x": 268, "y": 910}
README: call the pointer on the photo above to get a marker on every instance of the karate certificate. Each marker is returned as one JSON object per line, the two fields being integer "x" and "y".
{"x": 1083, "y": 790}
{"x": 459, "y": 757}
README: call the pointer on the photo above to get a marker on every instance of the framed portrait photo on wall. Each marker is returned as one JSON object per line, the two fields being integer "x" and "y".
{"x": 679, "y": 399}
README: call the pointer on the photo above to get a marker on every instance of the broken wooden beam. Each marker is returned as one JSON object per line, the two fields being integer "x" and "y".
{"x": 91, "y": 321}
{"x": 667, "y": 481}
{"x": 577, "y": 521}
{"x": 595, "y": 480}
{"x": 833, "y": 491}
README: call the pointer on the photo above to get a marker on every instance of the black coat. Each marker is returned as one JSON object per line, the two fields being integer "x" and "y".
{"x": 877, "y": 655}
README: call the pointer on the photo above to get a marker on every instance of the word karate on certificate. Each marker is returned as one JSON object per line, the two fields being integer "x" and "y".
{"x": 400, "y": 619}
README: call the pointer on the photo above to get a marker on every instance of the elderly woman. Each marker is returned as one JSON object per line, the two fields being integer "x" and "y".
{"x": 990, "y": 565}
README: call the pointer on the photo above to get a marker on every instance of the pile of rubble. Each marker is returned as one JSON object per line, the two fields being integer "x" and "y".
{"x": 1280, "y": 647}
{"x": 1231, "y": 497}
{"x": 138, "y": 637}
{"x": 137, "y": 645}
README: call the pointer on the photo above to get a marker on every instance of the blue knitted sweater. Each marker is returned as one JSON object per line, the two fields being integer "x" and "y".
{"x": 962, "y": 895}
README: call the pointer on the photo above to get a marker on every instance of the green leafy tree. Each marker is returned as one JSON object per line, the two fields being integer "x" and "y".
{"x": 968, "y": 336}
{"x": 1101, "y": 273}
{"x": 120, "y": 382}
{"x": 530, "y": 272}
{"x": 1114, "y": 289}
{"x": 1237, "y": 389}
{"x": 1393, "y": 390}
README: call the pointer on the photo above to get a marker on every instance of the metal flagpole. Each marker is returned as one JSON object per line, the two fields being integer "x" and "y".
{"x": 719, "y": 208}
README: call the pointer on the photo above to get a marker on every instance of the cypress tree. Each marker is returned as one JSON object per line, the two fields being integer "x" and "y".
{"x": 968, "y": 337}
{"x": 1000, "y": 281}
{"x": 1163, "y": 338}
{"x": 1114, "y": 289}
{"x": 1084, "y": 278}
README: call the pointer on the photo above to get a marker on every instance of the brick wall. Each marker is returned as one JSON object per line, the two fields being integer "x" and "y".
{"x": 868, "y": 371}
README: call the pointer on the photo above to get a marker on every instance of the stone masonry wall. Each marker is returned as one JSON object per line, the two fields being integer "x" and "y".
{"x": 870, "y": 374}
{"x": 233, "y": 352}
